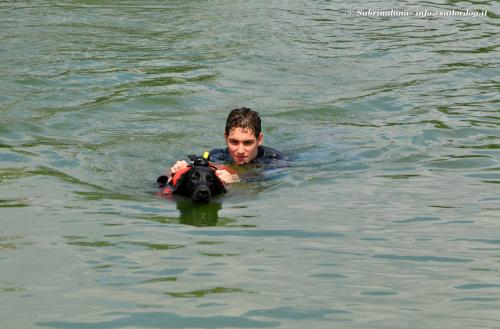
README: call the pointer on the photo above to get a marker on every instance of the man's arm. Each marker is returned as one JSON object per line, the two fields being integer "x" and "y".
{"x": 227, "y": 177}
{"x": 179, "y": 165}
{"x": 223, "y": 174}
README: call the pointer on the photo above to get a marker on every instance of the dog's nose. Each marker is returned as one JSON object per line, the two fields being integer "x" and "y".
{"x": 202, "y": 195}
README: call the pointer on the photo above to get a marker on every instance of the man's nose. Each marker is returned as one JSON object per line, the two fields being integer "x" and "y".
{"x": 240, "y": 149}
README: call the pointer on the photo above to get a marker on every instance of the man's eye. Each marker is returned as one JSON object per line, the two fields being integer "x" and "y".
{"x": 248, "y": 143}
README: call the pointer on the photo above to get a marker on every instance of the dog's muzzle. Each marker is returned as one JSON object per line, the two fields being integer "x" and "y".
{"x": 201, "y": 194}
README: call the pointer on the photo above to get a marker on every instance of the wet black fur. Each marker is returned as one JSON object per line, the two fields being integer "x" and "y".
{"x": 199, "y": 184}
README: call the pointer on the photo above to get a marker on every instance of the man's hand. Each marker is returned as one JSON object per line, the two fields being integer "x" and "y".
{"x": 227, "y": 177}
{"x": 178, "y": 166}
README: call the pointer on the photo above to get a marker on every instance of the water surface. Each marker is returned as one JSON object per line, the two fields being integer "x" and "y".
{"x": 386, "y": 218}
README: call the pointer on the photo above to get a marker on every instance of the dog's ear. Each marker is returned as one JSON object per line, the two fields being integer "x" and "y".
{"x": 218, "y": 185}
{"x": 178, "y": 179}
{"x": 182, "y": 184}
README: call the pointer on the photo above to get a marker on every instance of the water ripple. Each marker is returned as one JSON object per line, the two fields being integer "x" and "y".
{"x": 412, "y": 258}
{"x": 268, "y": 233}
{"x": 391, "y": 124}
{"x": 165, "y": 320}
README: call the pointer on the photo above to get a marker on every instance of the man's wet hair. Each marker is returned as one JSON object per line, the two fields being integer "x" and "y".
{"x": 244, "y": 118}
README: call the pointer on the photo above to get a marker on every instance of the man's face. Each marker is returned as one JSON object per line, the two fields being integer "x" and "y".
{"x": 242, "y": 144}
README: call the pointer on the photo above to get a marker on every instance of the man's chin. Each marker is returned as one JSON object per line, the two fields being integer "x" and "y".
{"x": 241, "y": 160}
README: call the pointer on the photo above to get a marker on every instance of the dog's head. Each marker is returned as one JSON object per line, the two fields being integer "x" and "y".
{"x": 199, "y": 183}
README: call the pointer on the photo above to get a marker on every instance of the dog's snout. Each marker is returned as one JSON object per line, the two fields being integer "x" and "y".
{"x": 202, "y": 194}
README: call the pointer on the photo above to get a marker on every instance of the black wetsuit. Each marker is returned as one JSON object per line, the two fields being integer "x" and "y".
{"x": 265, "y": 155}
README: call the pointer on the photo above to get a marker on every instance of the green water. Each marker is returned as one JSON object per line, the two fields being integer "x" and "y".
{"x": 387, "y": 217}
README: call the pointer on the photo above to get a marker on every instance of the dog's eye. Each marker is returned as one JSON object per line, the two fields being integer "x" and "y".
{"x": 195, "y": 177}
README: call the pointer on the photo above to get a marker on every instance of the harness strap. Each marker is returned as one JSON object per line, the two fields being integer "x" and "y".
{"x": 179, "y": 174}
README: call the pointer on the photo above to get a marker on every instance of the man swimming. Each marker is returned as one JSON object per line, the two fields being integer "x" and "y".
{"x": 243, "y": 138}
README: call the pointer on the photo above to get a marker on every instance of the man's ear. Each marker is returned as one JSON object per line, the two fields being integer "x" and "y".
{"x": 260, "y": 139}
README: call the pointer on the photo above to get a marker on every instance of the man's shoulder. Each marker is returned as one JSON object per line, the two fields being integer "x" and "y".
{"x": 268, "y": 154}
{"x": 265, "y": 155}
{"x": 219, "y": 155}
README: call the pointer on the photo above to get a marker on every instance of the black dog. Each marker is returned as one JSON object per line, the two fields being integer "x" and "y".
{"x": 199, "y": 182}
